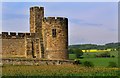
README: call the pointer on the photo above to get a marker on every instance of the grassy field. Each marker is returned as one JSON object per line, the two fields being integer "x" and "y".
{"x": 102, "y": 62}
{"x": 57, "y": 70}
{"x": 98, "y": 62}
{"x": 100, "y": 68}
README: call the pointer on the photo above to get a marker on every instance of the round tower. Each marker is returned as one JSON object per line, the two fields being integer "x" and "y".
{"x": 55, "y": 37}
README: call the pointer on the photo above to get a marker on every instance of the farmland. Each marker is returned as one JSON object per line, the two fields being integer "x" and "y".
{"x": 98, "y": 62}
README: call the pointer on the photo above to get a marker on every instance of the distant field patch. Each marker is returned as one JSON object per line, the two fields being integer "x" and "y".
{"x": 96, "y": 50}
{"x": 98, "y": 62}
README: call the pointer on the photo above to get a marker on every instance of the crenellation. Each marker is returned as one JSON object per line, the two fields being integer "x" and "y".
{"x": 13, "y": 33}
{"x": 32, "y": 35}
{"x": 41, "y": 8}
{"x": 4, "y": 34}
{"x": 57, "y": 20}
{"x": 27, "y": 35}
{"x": 34, "y": 8}
{"x": 60, "y": 18}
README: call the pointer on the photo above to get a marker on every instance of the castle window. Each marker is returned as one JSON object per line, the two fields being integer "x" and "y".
{"x": 53, "y": 32}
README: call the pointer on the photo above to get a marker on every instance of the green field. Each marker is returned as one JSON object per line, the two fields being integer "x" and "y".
{"x": 100, "y": 68}
{"x": 98, "y": 62}
{"x": 57, "y": 70}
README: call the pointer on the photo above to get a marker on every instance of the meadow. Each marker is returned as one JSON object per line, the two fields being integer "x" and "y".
{"x": 98, "y": 62}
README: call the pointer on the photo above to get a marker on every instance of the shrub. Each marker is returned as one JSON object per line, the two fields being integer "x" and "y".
{"x": 106, "y": 54}
{"x": 88, "y": 64}
{"x": 112, "y": 64}
{"x": 77, "y": 62}
{"x": 112, "y": 56}
{"x": 71, "y": 51}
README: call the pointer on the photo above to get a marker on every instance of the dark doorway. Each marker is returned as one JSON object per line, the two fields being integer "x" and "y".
{"x": 33, "y": 50}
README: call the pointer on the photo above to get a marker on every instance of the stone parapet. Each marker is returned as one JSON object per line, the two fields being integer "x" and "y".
{"x": 14, "y": 35}
{"x": 58, "y": 20}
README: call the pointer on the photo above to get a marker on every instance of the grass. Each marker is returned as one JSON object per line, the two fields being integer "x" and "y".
{"x": 57, "y": 70}
{"x": 100, "y": 68}
{"x": 98, "y": 62}
{"x": 72, "y": 56}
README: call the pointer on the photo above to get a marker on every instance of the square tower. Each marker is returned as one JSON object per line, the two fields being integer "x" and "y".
{"x": 36, "y": 16}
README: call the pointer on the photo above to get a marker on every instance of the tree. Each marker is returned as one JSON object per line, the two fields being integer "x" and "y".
{"x": 78, "y": 53}
{"x": 71, "y": 51}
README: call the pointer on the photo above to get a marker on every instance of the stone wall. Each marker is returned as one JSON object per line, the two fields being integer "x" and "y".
{"x": 20, "y": 45}
{"x": 33, "y": 48}
{"x": 13, "y": 48}
{"x": 36, "y": 16}
{"x": 34, "y": 62}
{"x": 13, "y": 44}
{"x": 55, "y": 37}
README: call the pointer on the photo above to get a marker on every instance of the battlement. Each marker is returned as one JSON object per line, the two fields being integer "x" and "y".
{"x": 14, "y": 35}
{"x": 37, "y": 8}
{"x": 55, "y": 19}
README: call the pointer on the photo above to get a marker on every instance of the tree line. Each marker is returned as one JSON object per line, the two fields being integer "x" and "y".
{"x": 95, "y": 46}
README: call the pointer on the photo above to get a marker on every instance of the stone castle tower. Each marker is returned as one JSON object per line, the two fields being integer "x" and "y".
{"x": 48, "y": 38}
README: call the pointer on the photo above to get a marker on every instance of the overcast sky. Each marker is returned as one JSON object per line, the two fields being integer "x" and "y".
{"x": 89, "y": 22}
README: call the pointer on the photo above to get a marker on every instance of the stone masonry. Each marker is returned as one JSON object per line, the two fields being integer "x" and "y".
{"x": 48, "y": 38}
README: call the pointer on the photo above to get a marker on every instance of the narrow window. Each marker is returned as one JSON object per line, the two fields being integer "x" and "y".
{"x": 53, "y": 32}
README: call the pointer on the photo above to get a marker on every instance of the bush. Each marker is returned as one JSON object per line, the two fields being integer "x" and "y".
{"x": 77, "y": 62}
{"x": 112, "y": 56}
{"x": 71, "y": 51}
{"x": 112, "y": 64}
{"x": 105, "y": 54}
{"x": 88, "y": 64}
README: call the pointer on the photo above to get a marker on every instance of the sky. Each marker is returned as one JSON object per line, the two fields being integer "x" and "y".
{"x": 89, "y": 22}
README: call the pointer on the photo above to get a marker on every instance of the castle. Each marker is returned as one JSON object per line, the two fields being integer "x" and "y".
{"x": 48, "y": 38}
